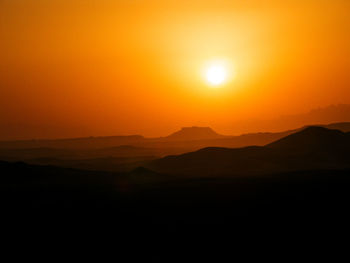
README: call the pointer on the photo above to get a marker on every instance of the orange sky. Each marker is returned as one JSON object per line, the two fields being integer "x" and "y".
{"x": 77, "y": 68}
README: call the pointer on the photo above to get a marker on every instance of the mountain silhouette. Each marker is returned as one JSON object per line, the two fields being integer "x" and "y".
{"x": 125, "y": 153}
{"x": 194, "y": 133}
{"x": 313, "y": 138}
{"x": 312, "y": 148}
{"x": 304, "y": 175}
{"x": 185, "y": 140}
{"x": 342, "y": 126}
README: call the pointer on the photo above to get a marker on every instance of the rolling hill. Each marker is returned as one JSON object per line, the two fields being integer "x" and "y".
{"x": 187, "y": 138}
{"x": 111, "y": 154}
{"x": 309, "y": 149}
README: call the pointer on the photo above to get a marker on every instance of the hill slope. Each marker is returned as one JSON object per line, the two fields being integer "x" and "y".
{"x": 311, "y": 148}
{"x": 313, "y": 138}
{"x": 185, "y": 140}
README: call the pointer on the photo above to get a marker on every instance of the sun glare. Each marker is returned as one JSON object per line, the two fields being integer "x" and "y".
{"x": 216, "y": 74}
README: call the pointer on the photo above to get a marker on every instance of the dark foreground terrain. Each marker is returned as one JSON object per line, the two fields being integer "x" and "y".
{"x": 175, "y": 220}
{"x": 142, "y": 199}
{"x": 293, "y": 189}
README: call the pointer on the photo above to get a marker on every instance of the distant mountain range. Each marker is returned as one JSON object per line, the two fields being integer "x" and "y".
{"x": 303, "y": 175}
{"x": 306, "y": 169}
{"x": 124, "y": 153}
{"x": 186, "y": 138}
{"x": 312, "y": 148}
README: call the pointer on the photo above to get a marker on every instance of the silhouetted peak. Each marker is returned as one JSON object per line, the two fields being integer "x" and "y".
{"x": 342, "y": 126}
{"x": 194, "y": 133}
{"x": 318, "y": 131}
{"x": 313, "y": 136}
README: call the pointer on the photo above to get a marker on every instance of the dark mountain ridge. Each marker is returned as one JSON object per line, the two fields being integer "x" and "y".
{"x": 313, "y": 138}
{"x": 311, "y": 148}
{"x": 186, "y": 139}
{"x": 304, "y": 176}
{"x": 114, "y": 154}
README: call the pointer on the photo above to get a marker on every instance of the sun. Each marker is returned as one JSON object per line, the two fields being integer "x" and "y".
{"x": 216, "y": 74}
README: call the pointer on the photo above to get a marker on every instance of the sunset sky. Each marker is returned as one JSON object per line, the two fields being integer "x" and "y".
{"x": 79, "y": 68}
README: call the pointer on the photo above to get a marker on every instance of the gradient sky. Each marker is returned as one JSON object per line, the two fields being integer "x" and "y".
{"x": 78, "y": 68}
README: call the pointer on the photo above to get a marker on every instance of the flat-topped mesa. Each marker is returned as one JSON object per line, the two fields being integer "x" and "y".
{"x": 194, "y": 133}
